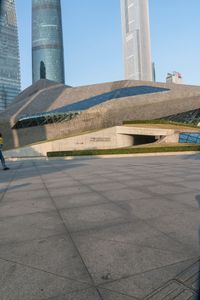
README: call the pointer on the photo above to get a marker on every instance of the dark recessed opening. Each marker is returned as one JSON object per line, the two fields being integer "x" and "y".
{"x": 143, "y": 139}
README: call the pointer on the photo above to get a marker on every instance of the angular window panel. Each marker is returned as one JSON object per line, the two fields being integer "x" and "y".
{"x": 70, "y": 111}
{"x": 192, "y": 138}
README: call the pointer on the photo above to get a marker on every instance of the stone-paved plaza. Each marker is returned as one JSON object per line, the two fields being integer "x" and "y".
{"x": 100, "y": 229}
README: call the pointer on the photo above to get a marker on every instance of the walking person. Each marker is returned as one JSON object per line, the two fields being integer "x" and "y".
{"x": 1, "y": 154}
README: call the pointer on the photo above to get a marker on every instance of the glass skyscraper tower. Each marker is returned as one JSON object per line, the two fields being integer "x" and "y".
{"x": 9, "y": 54}
{"x": 47, "y": 41}
{"x": 136, "y": 39}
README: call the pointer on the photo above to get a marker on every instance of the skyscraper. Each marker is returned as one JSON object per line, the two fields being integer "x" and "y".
{"x": 47, "y": 41}
{"x": 136, "y": 39}
{"x": 9, "y": 54}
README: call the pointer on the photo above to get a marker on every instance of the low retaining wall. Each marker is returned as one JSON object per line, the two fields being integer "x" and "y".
{"x": 103, "y": 139}
{"x": 110, "y": 138}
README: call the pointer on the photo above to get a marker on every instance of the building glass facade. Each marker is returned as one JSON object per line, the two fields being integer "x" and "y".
{"x": 189, "y": 137}
{"x": 136, "y": 40}
{"x": 70, "y": 111}
{"x": 47, "y": 41}
{"x": 9, "y": 54}
{"x": 188, "y": 117}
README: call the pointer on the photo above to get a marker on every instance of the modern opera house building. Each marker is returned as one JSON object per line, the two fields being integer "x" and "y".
{"x": 48, "y": 111}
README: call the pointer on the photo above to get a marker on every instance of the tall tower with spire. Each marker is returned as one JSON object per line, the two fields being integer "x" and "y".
{"x": 47, "y": 41}
{"x": 136, "y": 39}
{"x": 9, "y": 54}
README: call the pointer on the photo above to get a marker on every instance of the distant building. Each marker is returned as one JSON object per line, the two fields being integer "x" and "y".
{"x": 136, "y": 39}
{"x": 9, "y": 54}
{"x": 174, "y": 77}
{"x": 153, "y": 72}
{"x": 47, "y": 41}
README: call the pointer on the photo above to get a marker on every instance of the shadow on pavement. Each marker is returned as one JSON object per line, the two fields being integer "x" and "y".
{"x": 28, "y": 169}
{"x": 193, "y": 156}
{"x": 17, "y": 186}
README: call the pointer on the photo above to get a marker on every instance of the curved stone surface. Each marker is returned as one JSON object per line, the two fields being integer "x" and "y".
{"x": 147, "y": 101}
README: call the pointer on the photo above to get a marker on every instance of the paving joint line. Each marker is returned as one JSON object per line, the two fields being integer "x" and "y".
{"x": 67, "y": 231}
{"x": 10, "y": 181}
{"x": 164, "y": 233}
{"x": 123, "y": 208}
{"x": 136, "y": 246}
{"x": 120, "y": 293}
{"x": 157, "y": 290}
{"x": 70, "y": 293}
{"x": 31, "y": 240}
{"x": 97, "y": 192}
{"x": 184, "y": 284}
{"x": 29, "y": 214}
{"x": 120, "y": 206}
{"x": 44, "y": 271}
{"x": 150, "y": 270}
{"x": 78, "y": 180}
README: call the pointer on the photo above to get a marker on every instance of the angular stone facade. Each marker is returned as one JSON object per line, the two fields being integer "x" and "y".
{"x": 46, "y": 97}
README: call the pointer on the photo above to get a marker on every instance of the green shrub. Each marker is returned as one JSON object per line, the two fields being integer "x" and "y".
{"x": 125, "y": 151}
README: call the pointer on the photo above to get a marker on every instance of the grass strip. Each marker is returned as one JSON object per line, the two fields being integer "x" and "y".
{"x": 125, "y": 151}
{"x": 166, "y": 122}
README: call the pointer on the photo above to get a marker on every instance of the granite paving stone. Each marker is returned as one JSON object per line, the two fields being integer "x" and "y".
{"x": 63, "y": 258}
{"x": 108, "y": 186}
{"x": 138, "y": 182}
{"x": 95, "y": 180}
{"x": 190, "y": 276}
{"x": 182, "y": 226}
{"x": 29, "y": 180}
{"x": 88, "y": 294}
{"x": 188, "y": 199}
{"x": 173, "y": 290}
{"x": 110, "y": 260}
{"x": 151, "y": 280}
{"x": 171, "y": 179}
{"x": 100, "y": 229}
{"x": 191, "y": 184}
{"x": 140, "y": 234}
{"x": 110, "y": 295}
{"x": 19, "y": 282}
{"x": 28, "y": 227}
{"x": 22, "y": 207}
{"x": 68, "y": 190}
{"x": 79, "y": 200}
{"x": 26, "y": 195}
{"x": 125, "y": 194}
{"x": 145, "y": 208}
{"x": 94, "y": 216}
{"x": 26, "y": 187}
{"x": 163, "y": 189}
{"x": 61, "y": 184}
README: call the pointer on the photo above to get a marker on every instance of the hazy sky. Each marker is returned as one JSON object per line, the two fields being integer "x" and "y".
{"x": 93, "y": 40}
